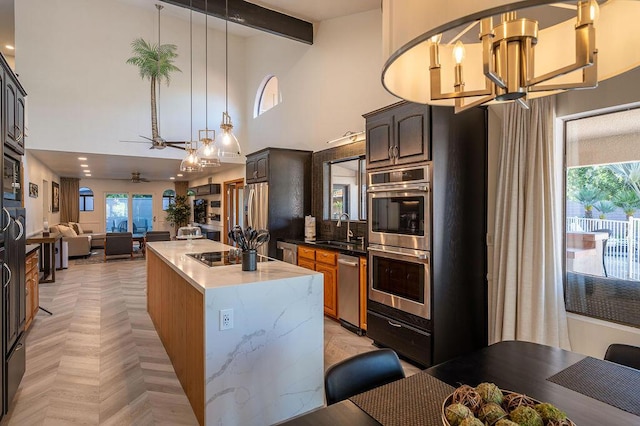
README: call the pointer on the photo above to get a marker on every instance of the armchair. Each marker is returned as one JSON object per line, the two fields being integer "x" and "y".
{"x": 118, "y": 243}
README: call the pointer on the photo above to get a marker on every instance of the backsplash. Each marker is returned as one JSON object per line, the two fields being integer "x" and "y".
{"x": 326, "y": 229}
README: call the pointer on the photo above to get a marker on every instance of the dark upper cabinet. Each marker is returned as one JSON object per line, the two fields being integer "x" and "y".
{"x": 208, "y": 189}
{"x": 14, "y": 114}
{"x": 398, "y": 134}
{"x": 258, "y": 167}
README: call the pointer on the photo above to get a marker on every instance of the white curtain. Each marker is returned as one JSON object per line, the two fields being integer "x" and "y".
{"x": 526, "y": 299}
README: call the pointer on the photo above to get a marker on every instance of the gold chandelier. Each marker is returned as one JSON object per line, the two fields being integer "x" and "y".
{"x": 514, "y": 59}
{"x": 508, "y": 57}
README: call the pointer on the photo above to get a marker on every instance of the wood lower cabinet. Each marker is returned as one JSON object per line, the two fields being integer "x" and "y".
{"x": 32, "y": 291}
{"x": 176, "y": 309}
{"x": 325, "y": 262}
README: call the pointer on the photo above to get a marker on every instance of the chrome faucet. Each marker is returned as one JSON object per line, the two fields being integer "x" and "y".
{"x": 349, "y": 233}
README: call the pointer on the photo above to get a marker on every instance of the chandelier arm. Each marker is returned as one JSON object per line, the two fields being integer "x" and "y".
{"x": 585, "y": 55}
{"x": 436, "y": 88}
{"x": 461, "y": 105}
{"x": 589, "y": 80}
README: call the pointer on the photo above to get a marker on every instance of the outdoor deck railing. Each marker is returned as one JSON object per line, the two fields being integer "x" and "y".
{"x": 621, "y": 254}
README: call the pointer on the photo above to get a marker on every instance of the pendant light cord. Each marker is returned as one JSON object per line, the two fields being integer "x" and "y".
{"x": 226, "y": 57}
{"x": 206, "y": 69}
{"x": 191, "y": 69}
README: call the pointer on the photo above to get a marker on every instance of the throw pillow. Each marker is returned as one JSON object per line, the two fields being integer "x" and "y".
{"x": 66, "y": 231}
{"x": 74, "y": 226}
{"x": 79, "y": 229}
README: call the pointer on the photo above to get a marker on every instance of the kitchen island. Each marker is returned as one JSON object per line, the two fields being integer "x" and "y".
{"x": 268, "y": 365}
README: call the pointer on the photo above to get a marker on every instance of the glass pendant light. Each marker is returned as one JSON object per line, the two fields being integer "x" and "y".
{"x": 227, "y": 144}
{"x": 191, "y": 162}
{"x": 207, "y": 153}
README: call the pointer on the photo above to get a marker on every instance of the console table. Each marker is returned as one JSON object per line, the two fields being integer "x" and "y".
{"x": 48, "y": 250}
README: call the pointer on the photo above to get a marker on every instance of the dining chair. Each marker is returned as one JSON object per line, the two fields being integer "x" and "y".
{"x": 361, "y": 373}
{"x": 623, "y": 354}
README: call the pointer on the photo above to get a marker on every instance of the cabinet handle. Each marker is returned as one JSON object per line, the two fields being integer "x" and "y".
{"x": 19, "y": 134}
{"x": 390, "y": 152}
{"x": 396, "y": 152}
{"x": 21, "y": 233}
{"x": 394, "y": 324}
{"x": 4, "y": 265}
{"x": 19, "y": 346}
{"x": 8, "y": 219}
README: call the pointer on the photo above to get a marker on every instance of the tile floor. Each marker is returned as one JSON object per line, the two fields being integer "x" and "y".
{"x": 98, "y": 360}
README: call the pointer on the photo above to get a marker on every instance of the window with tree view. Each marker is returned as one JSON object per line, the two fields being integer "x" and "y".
{"x": 602, "y": 230}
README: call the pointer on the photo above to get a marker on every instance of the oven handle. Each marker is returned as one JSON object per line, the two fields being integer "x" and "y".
{"x": 421, "y": 256}
{"x": 402, "y": 188}
{"x": 394, "y": 324}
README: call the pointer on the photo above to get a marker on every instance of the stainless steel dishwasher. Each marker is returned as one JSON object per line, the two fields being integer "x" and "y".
{"x": 289, "y": 252}
{"x": 349, "y": 292}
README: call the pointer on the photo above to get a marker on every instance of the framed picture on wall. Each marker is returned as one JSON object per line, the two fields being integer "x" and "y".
{"x": 33, "y": 190}
{"x": 55, "y": 197}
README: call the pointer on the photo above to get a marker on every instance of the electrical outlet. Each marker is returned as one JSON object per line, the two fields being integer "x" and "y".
{"x": 226, "y": 319}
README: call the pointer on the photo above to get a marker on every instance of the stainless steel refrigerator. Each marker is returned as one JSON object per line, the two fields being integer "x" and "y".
{"x": 257, "y": 209}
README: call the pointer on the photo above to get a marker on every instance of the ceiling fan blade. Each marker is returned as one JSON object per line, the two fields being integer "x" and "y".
{"x": 134, "y": 141}
{"x": 174, "y": 142}
{"x": 144, "y": 137}
{"x": 176, "y": 147}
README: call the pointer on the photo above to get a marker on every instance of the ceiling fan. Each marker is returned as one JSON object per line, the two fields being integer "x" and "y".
{"x": 160, "y": 143}
{"x": 135, "y": 178}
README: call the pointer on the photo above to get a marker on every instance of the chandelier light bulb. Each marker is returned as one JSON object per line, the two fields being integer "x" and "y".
{"x": 458, "y": 52}
{"x": 594, "y": 10}
{"x": 436, "y": 38}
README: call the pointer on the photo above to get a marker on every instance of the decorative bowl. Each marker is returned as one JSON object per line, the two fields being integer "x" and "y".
{"x": 449, "y": 400}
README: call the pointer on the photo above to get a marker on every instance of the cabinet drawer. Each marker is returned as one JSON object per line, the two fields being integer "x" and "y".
{"x": 306, "y": 253}
{"x": 309, "y": 264}
{"x": 405, "y": 340}
{"x": 327, "y": 257}
{"x": 31, "y": 262}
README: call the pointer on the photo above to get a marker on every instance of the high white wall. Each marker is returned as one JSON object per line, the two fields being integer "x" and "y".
{"x": 38, "y": 209}
{"x": 325, "y": 87}
{"x": 83, "y": 97}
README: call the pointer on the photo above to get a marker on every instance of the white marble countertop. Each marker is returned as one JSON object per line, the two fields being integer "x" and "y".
{"x": 203, "y": 277}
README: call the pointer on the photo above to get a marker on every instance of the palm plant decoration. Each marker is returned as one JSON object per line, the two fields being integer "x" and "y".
{"x": 587, "y": 196}
{"x": 604, "y": 207}
{"x": 155, "y": 62}
{"x": 628, "y": 201}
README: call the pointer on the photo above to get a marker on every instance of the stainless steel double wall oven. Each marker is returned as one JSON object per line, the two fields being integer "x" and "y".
{"x": 399, "y": 238}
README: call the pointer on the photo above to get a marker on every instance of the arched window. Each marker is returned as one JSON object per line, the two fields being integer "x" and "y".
{"x": 168, "y": 197}
{"x": 86, "y": 199}
{"x": 268, "y": 95}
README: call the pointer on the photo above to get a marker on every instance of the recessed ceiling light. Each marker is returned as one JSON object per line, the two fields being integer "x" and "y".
{"x": 87, "y": 175}
{"x": 82, "y": 158}
{"x": 179, "y": 175}
{"x": 172, "y": 178}
{"x": 87, "y": 171}
{"x": 10, "y": 47}
{"x": 84, "y": 165}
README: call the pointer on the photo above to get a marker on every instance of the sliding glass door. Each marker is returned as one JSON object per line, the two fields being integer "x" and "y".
{"x": 129, "y": 213}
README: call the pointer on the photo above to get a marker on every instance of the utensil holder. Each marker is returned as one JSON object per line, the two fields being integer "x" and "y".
{"x": 249, "y": 260}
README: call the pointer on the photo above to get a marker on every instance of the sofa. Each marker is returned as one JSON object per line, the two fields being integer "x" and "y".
{"x": 80, "y": 240}
{"x": 78, "y": 245}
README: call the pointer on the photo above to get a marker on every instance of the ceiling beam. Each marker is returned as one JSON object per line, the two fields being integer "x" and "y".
{"x": 253, "y": 16}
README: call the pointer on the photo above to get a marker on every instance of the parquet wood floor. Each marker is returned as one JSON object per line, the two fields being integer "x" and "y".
{"x": 99, "y": 361}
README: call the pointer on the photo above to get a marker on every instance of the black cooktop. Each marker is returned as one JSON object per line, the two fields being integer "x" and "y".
{"x": 222, "y": 258}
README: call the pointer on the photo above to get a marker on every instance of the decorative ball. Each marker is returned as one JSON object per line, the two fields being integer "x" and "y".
{"x": 491, "y": 413}
{"x": 471, "y": 421}
{"x": 490, "y": 392}
{"x": 526, "y": 416}
{"x": 505, "y": 422}
{"x": 549, "y": 412}
{"x": 456, "y": 413}
{"x": 512, "y": 401}
{"x": 467, "y": 396}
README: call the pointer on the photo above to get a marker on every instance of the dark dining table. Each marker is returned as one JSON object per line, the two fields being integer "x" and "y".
{"x": 515, "y": 366}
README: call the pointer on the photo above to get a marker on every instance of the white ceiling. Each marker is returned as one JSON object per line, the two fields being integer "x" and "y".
{"x": 316, "y": 11}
